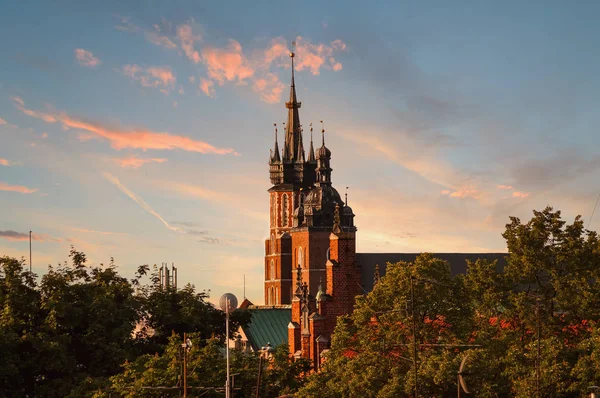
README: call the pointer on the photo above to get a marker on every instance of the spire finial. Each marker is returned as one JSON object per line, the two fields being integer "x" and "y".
{"x": 311, "y": 129}
{"x": 275, "y": 124}
{"x": 292, "y": 55}
{"x": 347, "y": 196}
{"x": 323, "y": 132}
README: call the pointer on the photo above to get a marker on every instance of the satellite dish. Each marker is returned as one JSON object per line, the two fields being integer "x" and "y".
{"x": 228, "y": 302}
{"x": 461, "y": 379}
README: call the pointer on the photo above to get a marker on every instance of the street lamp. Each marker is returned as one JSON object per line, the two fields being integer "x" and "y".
{"x": 228, "y": 303}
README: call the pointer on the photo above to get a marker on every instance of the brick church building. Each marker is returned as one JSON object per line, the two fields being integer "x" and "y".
{"x": 310, "y": 256}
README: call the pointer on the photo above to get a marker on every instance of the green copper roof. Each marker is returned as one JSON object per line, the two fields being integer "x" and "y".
{"x": 268, "y": 325}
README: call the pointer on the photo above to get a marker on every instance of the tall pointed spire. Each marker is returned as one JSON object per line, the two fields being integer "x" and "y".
{"x": 276, "y": 157}
{"x": 293, "y": 134}
{"x": 311, "y": 150}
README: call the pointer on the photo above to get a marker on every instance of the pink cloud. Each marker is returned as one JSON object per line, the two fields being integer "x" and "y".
{"x": 135, "y": 162}
{"x": 504, "y": 187}
{"x": 44, "y": 135}
{"x": 207, "y": 87}
{"x": 153, "y": 36}
{"x": 91, "y": 231}
{"x": 2, "y": 121}
{"x": 154, "y": 76}
{"x": 517, "y": 194}
{"x": 269, "y": 87}
{"x": 187, "y": 40}
{"x": 4, "y": 162}
{"x": 20, "y": 236}
{"x": 227, "y": 63}
{"x": 463, "y": 193}
{"x": 86, "y": 58}
{"x": 16, "y": 188}
{"x": 131, "y": 138}
{"x": 314, "y": 56}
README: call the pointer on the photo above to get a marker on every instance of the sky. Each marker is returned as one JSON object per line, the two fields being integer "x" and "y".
{"x": 141, "y": 130}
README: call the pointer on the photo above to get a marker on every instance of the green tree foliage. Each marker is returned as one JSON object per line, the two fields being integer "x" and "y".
{"x": 67, "y": 334}
{"x": 549, "y": 286}
{"x": 206, "y": 364}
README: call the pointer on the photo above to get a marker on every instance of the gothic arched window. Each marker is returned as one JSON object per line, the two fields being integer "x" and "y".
{"x": 284, "y": 210}
{"x": 273, "y": 212}
{"x": 272, "y": 296}
{"x": 328, "y": 254}
{"x": 276, "y": 295}
{"x": 272, "y": 270}
{"x": 273, "y": 248}
{"x": 300, "y": 258}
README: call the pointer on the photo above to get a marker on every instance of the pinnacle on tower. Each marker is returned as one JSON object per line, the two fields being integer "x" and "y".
{"x": 311, "y": 150}
{"x": 276, "y": 157}
{"x": 294, "y": 151}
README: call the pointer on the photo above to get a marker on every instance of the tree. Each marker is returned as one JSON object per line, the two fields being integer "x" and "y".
{"x": 165, "y": 310}
{"x": 371, "y": 353}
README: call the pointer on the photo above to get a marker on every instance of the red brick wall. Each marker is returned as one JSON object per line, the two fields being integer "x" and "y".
{"x": 294, "y": 338}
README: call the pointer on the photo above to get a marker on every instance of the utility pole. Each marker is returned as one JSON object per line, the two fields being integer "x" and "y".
{"x": 260, "y": 360}
{"x": 185, "y": 389}
{"x": 414, "y": 333}
{"x": 30, "y": 252}
{"x": 537, "y": 362}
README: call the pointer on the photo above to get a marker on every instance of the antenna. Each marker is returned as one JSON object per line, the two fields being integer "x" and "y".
{"x": 30, "y": 252}
{"x": 323, "y": 132}
{"x": 347, "y": 196}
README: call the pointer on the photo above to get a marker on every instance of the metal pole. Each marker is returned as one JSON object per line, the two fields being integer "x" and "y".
{"x": 414, "y": 334}
{"x": 227, "y": 347}
{"x": 29, "y": 251}
{"x": 260, "y": 359}
{"x": 537, "y": 364}
{"x": 185, "y": 389}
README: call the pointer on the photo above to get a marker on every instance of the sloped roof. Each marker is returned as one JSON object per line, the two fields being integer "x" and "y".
{"x": 269, "y": 324}
{"x": 457, "y": 261}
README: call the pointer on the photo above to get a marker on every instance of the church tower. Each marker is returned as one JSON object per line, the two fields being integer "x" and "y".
{"x": 292, "y": 177}
{"x": 310, "y": 256}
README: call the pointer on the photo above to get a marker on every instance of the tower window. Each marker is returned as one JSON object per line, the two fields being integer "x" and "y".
{"x": 328, "y": 254}
{"x": 284, "y": 210}
{"x": 272, "y": 270}
{"x": 300, "y": 258}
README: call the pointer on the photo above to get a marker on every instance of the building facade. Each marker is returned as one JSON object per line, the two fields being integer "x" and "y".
{"x": 310, "y": 256}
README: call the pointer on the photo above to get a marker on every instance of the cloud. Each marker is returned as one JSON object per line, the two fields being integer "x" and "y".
{"x": 153, "y": 36}
{"x": 16, "y": 188}
{"x": 86, "y": 58}
{"x": 504, "y": 187}
{"x": 227, "y": 64}
{"x": 19, "y": 236}
{"x": 517, "y": 194}
{"x": 187, "y": 39}
{"x": 135, "y": 162}
{"x": 131, "y": 138}
{"x": 91, "y": 231}
{"x": 2, "y": 121}
{"x": 207, "y": 87}
{"x": 208, "y": 239}
{"x": 4, "y": 162}
{"x": 269, "y": 87}
{"x": 145, "y": 206}
{"x": 463, "y": 193}
{"x": 161, "y": 77}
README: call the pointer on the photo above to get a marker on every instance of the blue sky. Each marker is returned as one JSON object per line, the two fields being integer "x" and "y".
{"x": 141, "y": 130}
